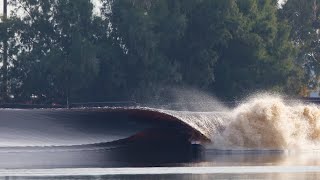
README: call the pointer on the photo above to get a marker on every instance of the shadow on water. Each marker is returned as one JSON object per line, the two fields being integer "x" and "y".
{"x": 145, "y": 149}
{"x": 117, "y": 157}
{"x": 144, "y": 138}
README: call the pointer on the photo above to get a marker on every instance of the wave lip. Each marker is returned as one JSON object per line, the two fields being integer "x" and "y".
{"x": 264, "y": 122}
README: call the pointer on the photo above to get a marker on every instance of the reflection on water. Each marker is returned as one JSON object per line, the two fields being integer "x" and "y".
{"x": 127, "y": 157}
{"x": 293, "y": 176}
{"x": 209, "y": 158}
{"x": 262, "y": 158}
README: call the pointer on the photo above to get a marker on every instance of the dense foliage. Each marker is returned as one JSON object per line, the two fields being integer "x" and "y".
{"x": 304, "y": 20}
{"x": 60, "y": 50}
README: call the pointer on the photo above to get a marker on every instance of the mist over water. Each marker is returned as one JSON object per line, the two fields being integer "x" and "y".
{"x": 262, "y": 122}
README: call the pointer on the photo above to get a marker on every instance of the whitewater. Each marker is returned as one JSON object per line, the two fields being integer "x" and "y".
{"x": 261, "y": 122}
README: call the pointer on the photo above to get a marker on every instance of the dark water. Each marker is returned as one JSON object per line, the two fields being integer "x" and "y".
{"x": 210, "y": 164}
{"x": 41, "y": 144}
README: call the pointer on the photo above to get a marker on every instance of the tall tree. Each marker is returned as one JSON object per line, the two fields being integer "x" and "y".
{"x": 260, "y": 55}
{"x": 304, "y": 18}
{"x": 210, "y": 28}
{"x": 139, "y": 48}
{"x": 4, "y": 84}
{"x": 148, "y": 33}
{"x": 58, "y": 57}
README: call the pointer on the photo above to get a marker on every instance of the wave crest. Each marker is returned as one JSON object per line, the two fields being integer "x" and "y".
{"x": 268, "y": 122}
{"x": 264, "y": 122}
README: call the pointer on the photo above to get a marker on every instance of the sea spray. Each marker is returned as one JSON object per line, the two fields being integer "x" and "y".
{"x": 263, "y": 122}
{"x": 210, "y": 124}
{"x": 269, "y": 122}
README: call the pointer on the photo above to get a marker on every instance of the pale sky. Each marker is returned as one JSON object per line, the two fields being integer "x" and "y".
{"x": 282, "y": 1}
{"x": 96, "y": 3}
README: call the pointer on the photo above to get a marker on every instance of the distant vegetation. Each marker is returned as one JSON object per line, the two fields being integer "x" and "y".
{"x": 137, "y": 49}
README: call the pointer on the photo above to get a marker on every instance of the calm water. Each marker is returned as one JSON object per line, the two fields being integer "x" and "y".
{"x": 294, "y": 176}
{"x": 209, "y": 165}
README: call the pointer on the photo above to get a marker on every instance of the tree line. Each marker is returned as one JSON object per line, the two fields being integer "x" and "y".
{"x": 62, "y": 50}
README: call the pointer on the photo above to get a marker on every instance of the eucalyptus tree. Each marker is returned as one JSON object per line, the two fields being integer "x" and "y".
{"x": 304, "y": 19}
{"x": 229, "y": 47}
{"x": 58, "y": 55}
{"x": 260, "y": 54}
{"x": 148, "y": 32}
{"x": 169, "y": 43}
{"x": 137, "y": 49}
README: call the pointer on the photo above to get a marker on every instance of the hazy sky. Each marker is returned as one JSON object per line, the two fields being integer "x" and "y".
{"x": 281, "y": 1}
{"x": 97, "y": 5}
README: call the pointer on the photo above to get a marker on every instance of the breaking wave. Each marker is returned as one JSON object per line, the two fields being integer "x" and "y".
{"x": 264, "y": 122}
{"x": 270, "y": 122}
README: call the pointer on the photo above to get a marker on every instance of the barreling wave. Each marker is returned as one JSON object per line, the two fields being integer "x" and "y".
{"x": 264, "y": 122}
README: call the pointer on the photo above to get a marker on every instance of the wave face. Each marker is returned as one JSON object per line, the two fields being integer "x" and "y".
{"x": 63, "y": 127}
{"x": 209, "y": 124}
{"x": 264, "y": 122}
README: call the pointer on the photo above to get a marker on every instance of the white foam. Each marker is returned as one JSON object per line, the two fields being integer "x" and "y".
{"x": 263, "y": 122}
